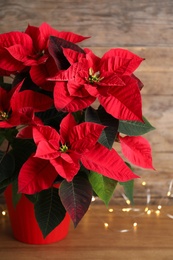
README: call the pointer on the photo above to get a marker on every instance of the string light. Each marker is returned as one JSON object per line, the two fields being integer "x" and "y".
{"x": 148, "y": 209}
{"x": 125, "y": 198}
{"x": 144, "y": 183}
{"x": 93, "y": 198}
{"x": 4, "y": 212}
{"x": 148, "y": 212}
{"x": 126, "y": 209}
{"x": 157, "y": 212}
{"x": 106, "y": 225}
{"x": 168, "y": 193}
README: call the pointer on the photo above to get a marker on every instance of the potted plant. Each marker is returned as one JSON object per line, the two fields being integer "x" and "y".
{"x": 62, "y": 109}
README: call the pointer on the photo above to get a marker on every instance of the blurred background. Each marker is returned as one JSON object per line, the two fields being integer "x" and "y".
{"x": 144, "y": 27}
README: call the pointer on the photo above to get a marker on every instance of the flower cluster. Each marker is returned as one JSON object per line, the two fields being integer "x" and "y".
{"x": 62, "y": 109}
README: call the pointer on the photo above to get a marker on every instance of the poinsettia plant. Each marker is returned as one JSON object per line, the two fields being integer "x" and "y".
{"x": 62, "y": 110}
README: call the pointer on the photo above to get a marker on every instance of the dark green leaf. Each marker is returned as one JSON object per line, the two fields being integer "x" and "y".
{"x": 10, "y": 134}
{"x": 49, "y": 211}
{"x": 22, "y": 149}
{"x": 100, "y": 116}
{"x": 51, "y": 117}
{"x": 7, "y": 165}
{"x": 15, "y": 195}
{"x": 2, "y": 138}
{"x": 8, "y": 181}
{"x": 76, "y": 197}
{"x": 33, "y": 198}
{"x": 2, "y": 190}
{"x": 55, "y": 49}
{"x": 135, "y": 128}
{"x": 103, "y": 186}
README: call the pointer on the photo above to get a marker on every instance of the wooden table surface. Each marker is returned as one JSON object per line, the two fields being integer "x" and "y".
{"x": 152, "y": 238}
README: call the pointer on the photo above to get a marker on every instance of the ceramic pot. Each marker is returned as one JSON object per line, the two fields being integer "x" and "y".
{"x": 24, "y": 225}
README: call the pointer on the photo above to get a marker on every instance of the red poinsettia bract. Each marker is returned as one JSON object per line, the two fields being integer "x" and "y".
{"x": 137, "y": 150}
{"x": 110, "y": 79}
{"x": 28, "y": 50}
{"x": 65, "y": 151}
{"x": 18, "y": 107}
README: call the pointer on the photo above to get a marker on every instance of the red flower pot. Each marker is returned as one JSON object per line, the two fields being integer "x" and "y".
{"x": 24, "y": 225}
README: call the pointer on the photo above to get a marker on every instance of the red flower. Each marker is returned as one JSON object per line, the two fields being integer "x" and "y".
{"x": 109, "y": 79}
{"x": 18, "y": 107}
{"x": 29, "y": 50}
{"x": 65, "y": 150}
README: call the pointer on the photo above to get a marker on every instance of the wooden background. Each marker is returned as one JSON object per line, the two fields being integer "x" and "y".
{"x": 144, "y": 27}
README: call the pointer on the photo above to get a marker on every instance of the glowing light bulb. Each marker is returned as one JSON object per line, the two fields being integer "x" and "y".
{"x": 106, "y": 225}
{"x": 157, "y": 212}
{"x": 126, "y": 209}
{"x": 168, "y": 193}
{"x": 128, "y": 202}
{"x": 146, "y": 209}
{"x": 93, "y": 198}
{"x": 111, "y": 210}
{"x": 135, "y": 224}
{"x": 144, "y": 183}
{"x": 4, "y": 213}
{"x": 159, "y": 207}
{"x": 149, "y": 212}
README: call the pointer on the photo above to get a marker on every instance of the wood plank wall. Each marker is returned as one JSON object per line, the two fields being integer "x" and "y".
{"x": 144, "y": 27}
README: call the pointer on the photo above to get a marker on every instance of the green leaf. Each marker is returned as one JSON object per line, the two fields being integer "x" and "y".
{"x": 2, "y": 190}
{"x": 103, "y": 186}
{"x": 128, "y": 189}
{"x": 49, "y": 211}
{"x": 2, "y": 138}
{"x": 22, "y": 149}
{"x": 100, "y": 116}
{"x": 135, "y": 128}
{"x": 51, "y": 117}
{"x": 7, "y": 165}
{"x": 8, "y": 134}
{"x": 76, "y": 197}
{"x": 33, "y": 198}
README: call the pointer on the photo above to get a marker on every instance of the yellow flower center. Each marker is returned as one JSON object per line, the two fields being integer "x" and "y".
{"x": 3, "y": 116}
{"x": 64, "y": 148}
{"x": 94, "y": 77}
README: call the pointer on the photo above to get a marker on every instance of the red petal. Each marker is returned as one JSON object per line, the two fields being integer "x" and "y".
{"x": 124, "y": 102}
{"x": 121, "y": 61}
{"x": 137, "y": 150}
{"x": 66, "y": 125}
{"x": 65, "y": 169}
{"x": 36, "y": 175}
{"x": 13, "y": 38}
{"x": 72, "y": 56}
{"x": 72, "y": 37}
{"x": 40, "y": 73}
{"x": 47, "y": 140}
{"x": 63, "y": 101}
{"x": 84, "y": 136}
{"x": 29, "y": 98}
{"x": 18, "y": 52}
{"x": 108, "y": 163}
{"x": 8, "y": 63}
